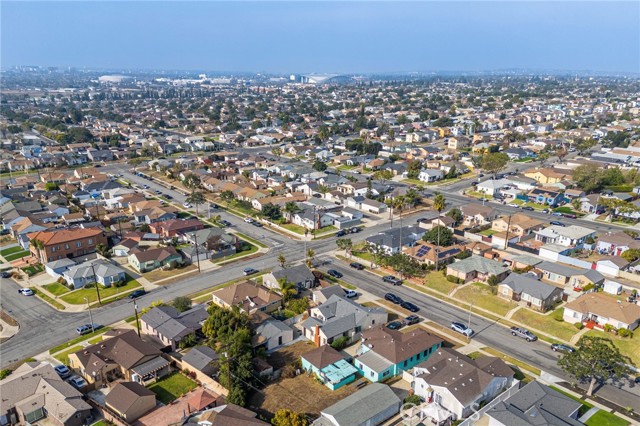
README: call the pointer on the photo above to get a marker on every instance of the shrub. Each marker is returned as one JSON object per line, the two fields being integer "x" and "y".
{"x": 494, "y": 290}
{"x": 4, "y": 373}
{"x": 413, "y": 399}
{"x": 558, "y": 315}
{"x": 288, "y": 371}
{"x": 623, "y": 332}
{"x": 493, "y": 280}
{"x": 90, "y": 285}
{"x": 579, "y": 325}
{"x": 188, "y": 341}
{"x": 453, "y": 279}
{"x": 340, "y": 343}
{"x": 298, "y": 306}
{"x": 463, "y": 255}
{"x": 608, "y": 328}
{"x": 588, "y": 287}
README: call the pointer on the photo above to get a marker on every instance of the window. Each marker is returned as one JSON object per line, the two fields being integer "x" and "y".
{"x": 405, "y": 362}
{"x": 66, "y": 246}
{"x": 385, "y": 374}
{"x": 90, "y": 241}
{"x": 79, "y": 244}
{"x": 371, "y": 374}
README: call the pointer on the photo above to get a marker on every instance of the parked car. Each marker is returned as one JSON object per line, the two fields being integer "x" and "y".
{"x": 87, "y": 328}
{"x": 556, "y": 223}
{"x": 350, "y": 294}
{"x": 26, "y": 292}
{"x": 63, "y": 371}
{"x": 528, "y": 208}
{"x": 559, "y": 347}
{"x": 77, "y": 382}
{"x": 523, "y": 333}
{"x": 145, "y": 186}
{"x": 250, "y": 271}
{"x": 545, "y": 210}
{"x": 158, "y": 192}
{"x": 395, "y": 325}
{"x": 355, "y": 230}
{"x": 137, "y": 293}
{"x": 556, "y": 214}
{"x": 461, "y": 328}
{"x": 392, "y": 280}
{"x": 411, "y": 319}
{"x": 409, "y": 306}
{"x": 356, "y": 265}
{"x": 5, "y": 274}
{"x": 248, "y": 219}
{"x": 168, "y": 197}
{"x": 256, "y": 224}
{"x": 334, "y": 273}
{"x": 393, "y": 298}
{"x": 513, "y": 205}
{"x": 186, "y": 205}
{"x": 569, "y": 215}
{"x": 341, "y": 233}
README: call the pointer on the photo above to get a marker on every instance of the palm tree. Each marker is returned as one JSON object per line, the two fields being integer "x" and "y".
{"x": 412, "y": 197}
{"x": 196, "y": 198}
{"x": 439, "y": 204}
{"x": 282, "y": 261}
{"x": 310, "y": 257}
{"x": 287, "y": 289}
{"x": 39, "y": 246}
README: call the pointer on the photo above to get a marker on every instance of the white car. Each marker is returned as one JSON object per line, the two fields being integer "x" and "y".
{"x": 26, "y": 292}
{"x": 186, "y": 205}
{"x": 77, "y": 382}
{"x": 248, "y": 219}
{"x": 513, "y": 205}
{"x": 461, "y": 328}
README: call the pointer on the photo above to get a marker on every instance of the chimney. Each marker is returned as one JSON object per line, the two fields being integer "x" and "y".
{"x": 316, "y": 336}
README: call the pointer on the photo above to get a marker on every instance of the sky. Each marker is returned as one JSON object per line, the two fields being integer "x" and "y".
{"x": 323, "y": 37}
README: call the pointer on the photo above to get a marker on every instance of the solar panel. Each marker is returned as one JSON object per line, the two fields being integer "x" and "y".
{"x": 422, "y": 251}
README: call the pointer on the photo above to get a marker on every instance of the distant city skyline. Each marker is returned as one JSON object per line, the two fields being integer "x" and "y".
{"x": 324, "y": 37}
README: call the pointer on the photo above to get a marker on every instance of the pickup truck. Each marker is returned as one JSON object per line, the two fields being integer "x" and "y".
{"x": 524, "y": 334}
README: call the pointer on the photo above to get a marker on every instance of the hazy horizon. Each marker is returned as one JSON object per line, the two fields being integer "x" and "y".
{"x": 324, "y": 37}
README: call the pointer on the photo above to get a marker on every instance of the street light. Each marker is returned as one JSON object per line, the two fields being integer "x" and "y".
{"x": 469, "y": 323}
{"x": 90, "y": 316}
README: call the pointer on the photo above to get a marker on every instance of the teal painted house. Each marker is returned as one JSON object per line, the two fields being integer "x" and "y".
{"x": 386, "y": 353}
{"x": 329, "y": 366}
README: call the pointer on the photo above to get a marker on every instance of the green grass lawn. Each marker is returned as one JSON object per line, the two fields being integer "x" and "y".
{"x": 517, "y": 201}
{"x": 56, "y": 289}
{"x": 627, "y": 346}
{"x": 63, "y": 357}
{"x": 488, "y": 232}
{"x": 294, "y": 228}
{"x": 76, "y": 297}
{"x": 536, "y": 206}
{"x": 10, "y": 250}
{"x": 437, "y": 282}
{"x": 76, "y": 340}
{"x": 603, "y": 418}
{"x": 514, "y": 361}
{"x": 560, "y": 329}
{"x": 247, "y": 250}
{"x": 33, "y": 269}
{"x": 477, "y": 194}
{"x": 568, "y": 210}
{"x": 480, "y": 295}
{"x": 48, "y": 299}
{"x": 172, "y": 387}
{"x": 16, "y": 255}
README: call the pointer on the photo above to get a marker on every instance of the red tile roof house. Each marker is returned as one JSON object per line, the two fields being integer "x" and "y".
{"x": 66, "y": 243}
{"x": 173, "y": 227}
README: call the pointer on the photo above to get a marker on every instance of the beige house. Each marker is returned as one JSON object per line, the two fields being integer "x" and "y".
{"x": 601, "y": 309}
{"x": 478, "y": 215}
{"x": 476, "y": 268}
{"x": 458, "y": 143}
{"x": 518, "y": 225}
{"x": 248, "y": 297}
{"x": 130, "y": 400}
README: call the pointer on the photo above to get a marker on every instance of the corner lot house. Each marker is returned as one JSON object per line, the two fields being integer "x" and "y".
{"x": 34, "y": 392}
{"x": 299, "y": 275}
{"x": 477, "y": 215}
{"x": 599, "y": 309}
{"x": 369, "y": 406}
{"x": 567, "y": 236}
{"x": 329, "y": 366}
{"x": 386, "y": 353}
{"x": 148, "y": 260}
{"x": 536, "y": 294}
{"x": 106, "y": 274}
{"x": 477, "y": 268}
{"x": 458, "y": 383}
{"x": 248, "y": 297}
{"x": 170, "y": 326}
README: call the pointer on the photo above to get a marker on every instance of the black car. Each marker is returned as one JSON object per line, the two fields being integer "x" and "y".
{"x": 168, "y": 197}
{"x": 341, "y": 233}
{"x": 411, "y": 319}
{"x": 225, "y": 223}
{"x": 556, "y": 223}
{"x": 528, "y": 208}
{"x": 392, "y": 280}
{"x": 5, "y": 274}
{"x": 395, "y": 325}
{"x": 409, "y": 306}
{"x": 393, "y": 298}
{"x": 356, "y": 265}
{"x": 334, "y": 273}
{"x": 137, "y": 293}
{"x": 559, "y": 347}
{"x": 256, "y": 224}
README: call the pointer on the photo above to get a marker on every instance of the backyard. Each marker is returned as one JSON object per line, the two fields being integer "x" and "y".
{"x": 289, "y": 354}
{"x": 560, "y": 329}
{"x": 480, "y": 295}
{"x": 77, "y": 297}
{"x": 172, "y": 387}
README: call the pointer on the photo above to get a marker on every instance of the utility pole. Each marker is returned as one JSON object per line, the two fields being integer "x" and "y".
{"x": 506, "y": 240}
{"x": 195, "y": 237}
{"x": 90, "y": 316}
{"x": 95, "y": 280}
{"x": 135, "y": 309}
{"x": 469, "y": 323}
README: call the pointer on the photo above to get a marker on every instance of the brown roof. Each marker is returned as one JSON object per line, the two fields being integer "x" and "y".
{"x": 237, "y": 295}
{"x": 323, "y": 356}
{"x": 125, "y": 394}
{"x": 201, "y": 399}
{"x": 396, "y": 346}
{"x": 606, "y": 306}
{"x": 60, "y": 236}
{"x": 476, "y": 209}
{"x": 231, "y": 415}
{"x": 159, "y": 254}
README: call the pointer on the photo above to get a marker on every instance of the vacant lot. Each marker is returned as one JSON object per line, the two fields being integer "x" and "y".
{"x": 77, "y": 297}
{"x": 289, "y": 354}
{"x": 172, "y": 387}
{"x": 301, "y": 394}
{"x": 480, "y": 295}
{"x": 438, "y": 282}
{"x": 560, "y": 329}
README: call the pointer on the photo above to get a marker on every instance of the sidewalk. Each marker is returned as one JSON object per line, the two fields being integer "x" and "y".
{"x": 7, "y": 330}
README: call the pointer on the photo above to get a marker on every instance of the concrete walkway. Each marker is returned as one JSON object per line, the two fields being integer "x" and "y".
{"x": 586, "y": 416}
{"x": 8, "y": 330}
{"x": 574, "y": 339}
{"x": 511, "y": 312}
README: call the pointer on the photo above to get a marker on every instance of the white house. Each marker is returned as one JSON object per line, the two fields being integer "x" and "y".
{"x": 430, "y": 175}
{"x": 100, "y": 271}
{"x": 567, "y": 236}
{"x": 602, "y": 309}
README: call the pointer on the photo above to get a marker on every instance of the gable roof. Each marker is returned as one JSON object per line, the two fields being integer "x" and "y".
{"x": 160, "y": 254}
{"x": 295, "y": 274}
{"x": 605, "y": 306}
{"x": 237, "y": 294}
{"x": 479, "y": 264}
{"x": 172, "y": 324}
{"x": 367, "y": 403}
{"x": 125, "y": 394}
{"x": 323, "y": 356}
{"x": 200, "y": 357}
{"x": 395, "y": 346}
{"x": 527, "y": 285}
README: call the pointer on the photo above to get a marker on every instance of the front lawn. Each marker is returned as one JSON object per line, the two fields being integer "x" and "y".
{"x": 77, "y": 297}
{"x": 438, "y": 282}
{"x": 33, "y": 269}
{"x": 604, "y": 418}
{"x": 294, "y": 228}
{"x": 480, "y": 295}
{"x": 627, "y": 346}
{"x": 246, "y": 250}
{"x": 160, "y": 274}
{"x": 17, "y": 255}
{"x": 172, "y": 387}
{"x": 567, "y": 210}
{"x": 560, "y": 329}
{"x": 56, "y": 289}
{"x": 10, "y": 250}
{"x": 63, "y": 357}
{"x": 79, "y": 339}
{"x": 48, "y": 299}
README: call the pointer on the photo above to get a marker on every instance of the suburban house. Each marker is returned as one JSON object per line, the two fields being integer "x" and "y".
{"x": 340, "y": 317}
{"x": 223, "y": 415}
{"x": 430, "y": 175}
{"x": 329, "y": 366}
{"x": 174, "y": 227}
{"x": 202, "y": 359}
{"x": 536, "y": 294}
{"x": 92, "y": 271}
{"x": 372, "y": 405}
{"x": 215, "y": 240}
{"x": 533, "y": 405}
{"x": 299, "y": 275}
{"x": 428, "y": 253}
{"x": 518, "y": 225}
{"x": 120, "y": 355}
{"x": 599, "y": 309}
{"x": 587, "y": 277}
{"x": 34, "y": 391}
{"x": 545, "y": 176}
{"x": 562, "y": 274}
{"x": 169, "y": 326}
{"x": 476, "y": 268}
{"x": 614, "y": 244}
{"x": 248, "y": 297}
{"x": 566, "y": 236}
{"x": 458, "y": 383}
{"x": 545, "y": 196}
{"x": 130, "y": 400}
{"x": 385, "y": 353}
{"x": 154, "y": 258}
{"x": 67, "y": 243}
{"x": 394, "y": 239}
{"x": 478, "y": 215}
{"x": 124, "y": 247}
{"x": 269, "y": 333}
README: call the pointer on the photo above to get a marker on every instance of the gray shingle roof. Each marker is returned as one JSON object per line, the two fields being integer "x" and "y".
{"x": 527, "y": 285}
{"x": 295, "y": 274}
{"x": 367, "y": 403}
{"x": 200, "y": 357}
{"x": 480, "y": 264}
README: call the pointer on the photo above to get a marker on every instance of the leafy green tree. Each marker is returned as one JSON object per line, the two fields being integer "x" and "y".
{"x": 310, "y": 257}
{"x": 227, "y": 196}
{"x": 495, "y": 162}
{"x": 182, "y": 303}
{"x": 596, "y": 359}
{"x": 441, "y": 236}
{"x": 188, "y": 341}
{"x": 588, "y": 177}
{"x": 271, "y": 211}
{"x": 456, "y": 215}
{"x": 298, "y": 306}
{"x": 320, "y": 166}
{"x": 383, "y": 176}
{"x": 285, "y": 417}
{"x": 413, "y": 169}
{"x": 50, "y": 186}
{"x": 282, "y": 261}
{"x": 345, "y": 244}
{"x": 192, "y": 181}
{"x": 287, "y": 289}
{"x": 196, "y": 198}
{"x": 631, "y": 255}
{"x": 292, "y": 208}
